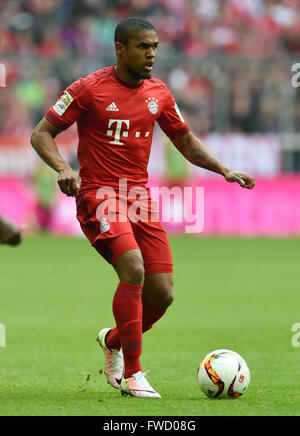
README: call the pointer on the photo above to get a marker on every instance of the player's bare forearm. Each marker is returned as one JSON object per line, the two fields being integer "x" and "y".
{"x": 43, "y": 142}
{"x": 198, "y": 154}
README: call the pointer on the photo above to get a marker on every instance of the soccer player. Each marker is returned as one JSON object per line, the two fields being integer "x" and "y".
{"x": 115, "y": 109}
{"x": 9, "y": 233}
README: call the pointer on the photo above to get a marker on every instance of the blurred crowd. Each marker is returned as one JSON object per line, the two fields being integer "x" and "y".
{"x": 227, "y": 62}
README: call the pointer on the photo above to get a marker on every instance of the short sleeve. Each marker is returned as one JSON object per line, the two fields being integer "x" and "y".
{"x": 70, "y": 106}
{"x": 171, "y": 120}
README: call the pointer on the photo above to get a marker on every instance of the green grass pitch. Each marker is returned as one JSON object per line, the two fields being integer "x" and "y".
{"x": 241, "y": 294}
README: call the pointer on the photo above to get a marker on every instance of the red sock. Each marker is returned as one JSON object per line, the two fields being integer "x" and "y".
{"x": 151, "y": 314}
{"x": 128, "y": 310}
{"x": 112, "y": 340}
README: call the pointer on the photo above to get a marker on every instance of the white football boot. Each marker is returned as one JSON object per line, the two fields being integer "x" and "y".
{"x": 138, "y": 386}
{"x": 114, "y": 363}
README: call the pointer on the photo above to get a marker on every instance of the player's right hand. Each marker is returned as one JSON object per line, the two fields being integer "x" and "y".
{"x": 243, "y": 179}
{"x": 69, "y": 182}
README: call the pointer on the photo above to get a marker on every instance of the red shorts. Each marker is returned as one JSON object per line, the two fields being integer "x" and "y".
{"x": 113, "y": 231}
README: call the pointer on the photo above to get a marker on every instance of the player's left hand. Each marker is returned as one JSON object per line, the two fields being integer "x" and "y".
{"x": 244, "y": 179}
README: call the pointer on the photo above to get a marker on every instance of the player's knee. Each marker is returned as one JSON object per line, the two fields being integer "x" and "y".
{"x": 137, "y": 272}
{"x": 168, "y": 297}
{"x": 133, "y": 272}
{"x": 161, "y": 291}
{"x": 165, "y": 296}
{"x": 130, "y": 268}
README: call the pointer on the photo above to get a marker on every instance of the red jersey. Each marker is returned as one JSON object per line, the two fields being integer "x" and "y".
{"x": 115, "y": 123}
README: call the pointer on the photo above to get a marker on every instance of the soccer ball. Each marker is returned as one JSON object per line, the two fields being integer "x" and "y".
{"x": 223, "y": 374}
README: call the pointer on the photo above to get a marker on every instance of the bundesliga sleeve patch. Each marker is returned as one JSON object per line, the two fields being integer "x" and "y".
{"x": 63, "y": 103}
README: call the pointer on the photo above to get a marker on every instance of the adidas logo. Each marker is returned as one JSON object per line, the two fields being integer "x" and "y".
{"x": 112, "y": 107}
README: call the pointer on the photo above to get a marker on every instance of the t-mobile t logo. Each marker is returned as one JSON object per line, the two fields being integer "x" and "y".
{"x": 118, "y": 132}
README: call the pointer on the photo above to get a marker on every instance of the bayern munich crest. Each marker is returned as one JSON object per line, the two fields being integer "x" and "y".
{"x": 104, "y": 226}
{"x": 152, "y": 105}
